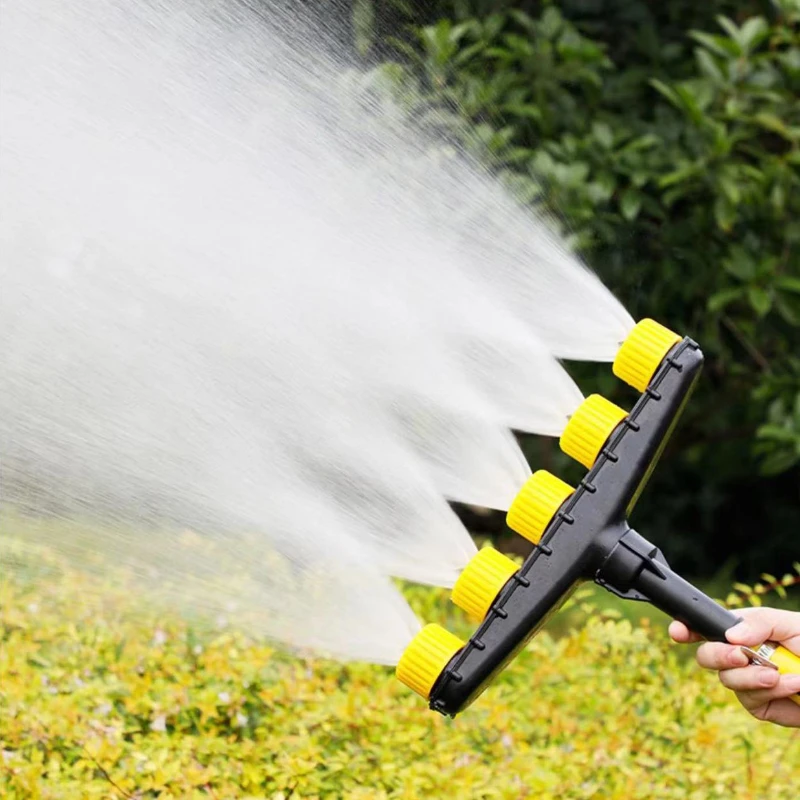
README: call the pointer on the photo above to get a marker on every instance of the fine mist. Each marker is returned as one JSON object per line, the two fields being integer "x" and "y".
{"x": 255, "y": 331}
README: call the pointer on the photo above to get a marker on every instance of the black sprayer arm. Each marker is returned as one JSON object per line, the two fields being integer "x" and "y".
{"x": 589, "y": 539}
{"x": 636, "y": 569}
{"x": 580, "y": 534}
{"x": 544, "y": 582}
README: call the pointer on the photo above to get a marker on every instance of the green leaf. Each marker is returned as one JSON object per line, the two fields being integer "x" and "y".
{"x": 777, "y": 433}
{"x": 720, "y": 45}
{"x": 730, "y": 189}
{"x": 773, "y": 123}
{"x": 608, "y": 181}
{"x": 575, "y": 174}
{"x": 789, "y": 311}
{"x": 708, "y": 66}
{"x": 522, "y": 47}
{"x": 724, "y": 213}
{"x": 467, "y": 53}
{"x": 691, "y": 100}
{"x": 630, "y": 204}
{"x": 550, "y": 23}
{"x": 527, "y": 110}
{"x": 523, "y": 20}
{"x": 721, "y": 299}
{"x": 645, "y": 142}
{"x": 740, "y": 264}
{"x": 665, "y": 90}
{"x": 680, "y": 175}
{"x": 493, "y": 24}
{"x": 752, "y": 33}
{"x": 760, "y": 300}
{"x": 779, "y": 461}
{"x": 788, "y": 284}
{"x": 603, "y": 134}
{"x": 598, "y": 192}
{"x": 734, "y": 34}
{"x": 777, "y": 198}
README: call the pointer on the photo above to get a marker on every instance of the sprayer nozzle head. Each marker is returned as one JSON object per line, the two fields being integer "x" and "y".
{"x": 589, "y": 428}
{"x": 481, "y": 581}
{"x": 425, "y": 658}
{"x": 642, "y": 353}
{"x": 536, "y": 504}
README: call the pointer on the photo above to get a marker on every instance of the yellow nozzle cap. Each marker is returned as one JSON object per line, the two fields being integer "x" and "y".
{"x": 642, "y": 353}
{"x": 536, "y": 504}
{"x": 481, "y": 581}
{"x": 589, "y": 427}
{"x": 425, "y": 658}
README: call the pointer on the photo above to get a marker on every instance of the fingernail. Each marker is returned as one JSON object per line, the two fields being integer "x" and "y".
{"x": 768, "y": 677}
{"x": 740, "y": 632}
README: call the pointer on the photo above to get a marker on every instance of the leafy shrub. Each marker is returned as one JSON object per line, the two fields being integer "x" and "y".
{"x": 673, "y": 155}
{"x": 100, "y": 698}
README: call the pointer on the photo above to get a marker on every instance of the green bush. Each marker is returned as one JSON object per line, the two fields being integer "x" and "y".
{"x": 673, "y": 155}
{"x": 102, "y": 698}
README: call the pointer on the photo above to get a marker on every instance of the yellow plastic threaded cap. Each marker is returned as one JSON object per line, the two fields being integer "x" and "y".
{"x": 589, "y": 427}
{"x": 536, "y": 504}
{"x": 425, "y": 658}
{"x": 642, "y": 353}
{"x": 481, "y": 581}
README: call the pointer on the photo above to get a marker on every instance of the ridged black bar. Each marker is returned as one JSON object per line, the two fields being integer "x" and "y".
{"x": 590, "y": 539}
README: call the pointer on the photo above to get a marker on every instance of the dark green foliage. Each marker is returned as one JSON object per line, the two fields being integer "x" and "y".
{"x": 667, "y": 136}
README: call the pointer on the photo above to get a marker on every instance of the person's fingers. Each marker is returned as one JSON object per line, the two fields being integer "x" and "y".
{"x": 756, "y": 681}
{"x": 762, "y": 624}
{"x": 718, "y": 656}
{"x": 681, "y": 634}
{"x": 764, "y": 692}
{"x": 753, "y": 699}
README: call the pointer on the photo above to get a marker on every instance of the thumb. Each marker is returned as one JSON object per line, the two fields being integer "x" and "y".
{"x": 760, "y": 624}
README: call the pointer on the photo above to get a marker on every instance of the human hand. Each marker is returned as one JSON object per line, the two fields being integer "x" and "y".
{"x": 761, "y": 690}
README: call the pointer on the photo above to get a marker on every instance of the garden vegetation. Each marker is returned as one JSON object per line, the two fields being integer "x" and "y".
{"x": 104, "y": 697}
{"x": 667, "y": 135}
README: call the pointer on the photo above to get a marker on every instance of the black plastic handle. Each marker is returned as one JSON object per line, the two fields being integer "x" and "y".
{"x": 678, "y": 598}
{"x": 636, "y": 569}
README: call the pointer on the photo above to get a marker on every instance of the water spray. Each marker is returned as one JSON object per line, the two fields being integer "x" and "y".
{"x": 218, "y": 308}
{"x": 580, "y": 534}
{"x": 168, "y": 164}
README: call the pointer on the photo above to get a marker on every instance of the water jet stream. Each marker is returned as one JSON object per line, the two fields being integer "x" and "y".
{"x": 243, "y": 299}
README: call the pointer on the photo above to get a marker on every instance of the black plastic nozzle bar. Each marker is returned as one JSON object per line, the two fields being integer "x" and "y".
{"x": 590, "y": 539}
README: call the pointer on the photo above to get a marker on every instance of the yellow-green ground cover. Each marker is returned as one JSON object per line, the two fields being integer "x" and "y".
{"x": 101, "y": 698}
